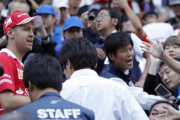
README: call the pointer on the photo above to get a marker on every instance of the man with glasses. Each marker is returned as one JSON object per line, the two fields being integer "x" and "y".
{"x": 92, "y": 35}
{"x": 107, "y": 21}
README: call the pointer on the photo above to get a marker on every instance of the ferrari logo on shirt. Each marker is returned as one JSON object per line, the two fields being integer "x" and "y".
{"x": 20, "y": 74}
{"x": 19, "y": 91}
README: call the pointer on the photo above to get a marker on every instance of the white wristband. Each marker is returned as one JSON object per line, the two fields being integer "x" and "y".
{"x": 4, "y": 37}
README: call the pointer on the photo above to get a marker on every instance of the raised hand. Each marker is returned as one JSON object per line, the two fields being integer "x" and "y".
{"x": 101, "y": 54}
{"x": 171, "y": 114}
{"x": 123, "y": 3}
{"x": 41, "y": 32}
{"x": 154, "y": 48}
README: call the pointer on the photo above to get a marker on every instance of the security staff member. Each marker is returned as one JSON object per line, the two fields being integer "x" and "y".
{"x": 43, "y": 77}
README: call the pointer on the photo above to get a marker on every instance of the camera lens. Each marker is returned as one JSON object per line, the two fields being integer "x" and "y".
{"x": 92, "y": 16}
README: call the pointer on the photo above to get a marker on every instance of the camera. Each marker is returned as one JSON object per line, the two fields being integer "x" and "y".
{"x": 92, "y": 16}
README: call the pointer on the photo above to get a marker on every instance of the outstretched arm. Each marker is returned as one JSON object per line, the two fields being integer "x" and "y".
{"x": 157, "y": 51}
{"x": 133, "y": 18}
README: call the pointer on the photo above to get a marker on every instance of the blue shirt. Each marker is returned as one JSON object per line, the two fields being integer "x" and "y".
{"x": 176, "y": 93}
{"x": 92, "y": 36}
{"x": 52, "y": 106}
{"x": 111, "y": 71}
{"x": 57, "y": 37}
{"x": 58, "y": 47}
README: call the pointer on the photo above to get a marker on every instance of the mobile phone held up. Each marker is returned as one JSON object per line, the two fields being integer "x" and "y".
{"x": 162, "y": 91}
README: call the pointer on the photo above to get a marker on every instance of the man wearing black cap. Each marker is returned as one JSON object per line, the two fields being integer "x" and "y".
{"x": 91, "y": 31}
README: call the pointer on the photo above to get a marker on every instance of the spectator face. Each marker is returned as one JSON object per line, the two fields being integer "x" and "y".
{"x": 73, "y": 32}
{"x": 103, "y": 20}
{"x": 115, "y": 5}
{"x": 123, "y": 58}
{"x": 157, "y": 110}
{"x": 173, "y": 51}
{"x": 23, "y": 36}
{"x": 176, "y": 10}
{"x": 128, "y": 27}
{"x": 49, "y": 2}
{"x": 17, "y": 6}
{"x": 169, "y": 77}
{"x": 74, "y": 3}
{"x": 64, "y": 13}
{"x": 48, "y": 20}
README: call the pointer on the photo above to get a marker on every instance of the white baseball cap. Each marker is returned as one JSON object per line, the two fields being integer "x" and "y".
{"x": 60, "y": 3}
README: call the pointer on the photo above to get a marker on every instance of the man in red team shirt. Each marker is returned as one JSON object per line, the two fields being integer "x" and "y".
{"x": 18, "y": 28}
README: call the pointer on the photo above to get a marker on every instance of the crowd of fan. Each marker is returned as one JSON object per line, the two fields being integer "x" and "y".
{"x": 90, "y": 59}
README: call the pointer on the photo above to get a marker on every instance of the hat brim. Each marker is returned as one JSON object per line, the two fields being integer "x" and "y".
{"x": 174, "y": 3}
{"x": 79, "y": 26}
{"x": 37, "y": 21}
{"x": 60, "y": 6}
{"x": 49, "y": 13}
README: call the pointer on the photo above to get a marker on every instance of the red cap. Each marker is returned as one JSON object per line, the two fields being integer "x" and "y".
{"x": 101, "y": 1}
{"x": 20, "y": 18}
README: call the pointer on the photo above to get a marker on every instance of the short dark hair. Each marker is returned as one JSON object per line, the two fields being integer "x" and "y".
{"x": 43, "y": 71}
{"x": 113, "y": 14}
{"x": 149, "y": 15}
{"x": 166, "y": 102}
{"x": 162, "y": 63}
{"x": 172, "y": 40}
{"x": 115, "y": 41}
{"x": 80, "y": 52}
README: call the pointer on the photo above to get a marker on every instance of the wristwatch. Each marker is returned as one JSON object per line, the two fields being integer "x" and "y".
{"x": 45, "y": 38}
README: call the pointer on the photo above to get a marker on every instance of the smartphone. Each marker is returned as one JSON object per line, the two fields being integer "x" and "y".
{"x": 162, "y": 91}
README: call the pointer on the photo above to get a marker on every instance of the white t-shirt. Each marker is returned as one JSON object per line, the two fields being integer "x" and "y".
{"x": 160, "y": 31}
{"x": 107, "y": 99}
{"x": 176, "y": 32}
